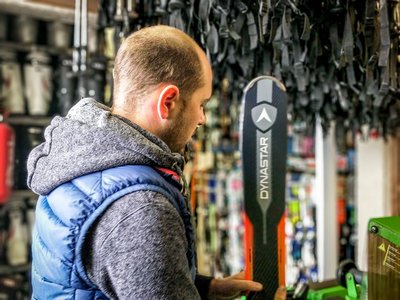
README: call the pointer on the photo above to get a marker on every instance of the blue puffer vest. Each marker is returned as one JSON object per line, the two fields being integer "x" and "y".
{"x": 64, "y": 216}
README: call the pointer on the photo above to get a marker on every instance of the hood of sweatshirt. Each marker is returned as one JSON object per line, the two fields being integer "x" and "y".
{"x": 91, "y": 139}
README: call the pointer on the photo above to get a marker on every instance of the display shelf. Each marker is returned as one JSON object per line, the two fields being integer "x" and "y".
{"x": 9, "y": 270}
{"x": 28, "y": 120}
{"x": 302, "y": 155}
{"x": 301, "y": 171}
{"x": 43, "y": 11}
{"x": 345, "y": 172}
{"x": 23, "y": 194}
{"x": 16, "y": 46}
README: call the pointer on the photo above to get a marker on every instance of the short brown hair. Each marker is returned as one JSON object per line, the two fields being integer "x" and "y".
{"x": 155, "y": 55}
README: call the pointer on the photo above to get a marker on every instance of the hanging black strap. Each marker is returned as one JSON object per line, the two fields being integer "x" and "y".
{"x": 252, "y": 30}
{"x": 213, "y": 40}
{"x": 384, "y": 34}
{"x": 263, "y": 17}
{"x": 286, "y": 40}
{"x": 348, "y": 49}
{"x": 204, "y": 15}
{"x": 348, "y": 40}
{"x": 175, "y": 8}
{"x": 299, "y": 57}
{"x": 393, "y": 64}
{"x": 335, "y": 44}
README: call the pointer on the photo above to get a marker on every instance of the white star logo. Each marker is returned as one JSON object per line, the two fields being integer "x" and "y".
{"x": 264, "y": 115}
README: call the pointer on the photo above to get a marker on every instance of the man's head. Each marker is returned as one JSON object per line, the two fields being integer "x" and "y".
{"x": 162, "y": 80}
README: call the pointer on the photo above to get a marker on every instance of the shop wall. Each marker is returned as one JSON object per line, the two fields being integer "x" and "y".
{"x": 372, "y": 189}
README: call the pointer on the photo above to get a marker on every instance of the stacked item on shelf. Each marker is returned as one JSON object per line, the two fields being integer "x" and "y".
{"x": 301, "y": 264}
{"x": 345, "y": 199}
{"x": 38, "y": 74}
{"x": 217, "y": 189}
{"x": 16, "y": 221}
{"x": 218, "y": 213}
{"x": 33, "y": 74}
{"x": 28, "y": 62}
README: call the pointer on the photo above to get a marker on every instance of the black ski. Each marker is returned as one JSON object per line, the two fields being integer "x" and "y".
{"x": 263, "y": 146}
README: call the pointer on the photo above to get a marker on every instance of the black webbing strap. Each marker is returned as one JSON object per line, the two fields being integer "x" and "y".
{"x": 203, "y": 26}
{"x": 285, "y": 58}
{"x": 286, "y": 40}
{"x": 223, "y": 25}
{"x": 222, "y": 52}
{"x": 275, "y": 23}
{"x": 384, "y": 62}
{"x": 213, "y": 40}
{"x": 384, "y": 52}
{"x": 266, "y": 62}
{"x": 370, "y": 43}
{"x": 233, "y": 34}
{"x": 189, "y": 14}
{"x": 263, "y": 18}
{"x": 384, "y": 87}
{"x": 394, "y": 77}
{"x": 317, "y": 97}
{"x": 252, "y": 30}
{"x": 315, "y": 51}
{"x": 277, "y": 71}
{"x": 299, "y": 57}
{"x": 348, "y": 39}
{"x": 393, "y": 64}
{"x": 348, "y": 48}
{"x": 305, "y": 35}
{"x": 369, "y": 24}
{"x": 204, "y": 13}
{"x": 384, "y": 34}
{"x": 241, "y": 7}
{"x": 160, "y": 9}
{"x": 335, "y": 44}
{"x": 222, "y": 11}
{"x": 240, "y": 20}
{"x": 276, "y": 44}
{"x": 343, "y": 94}
{"x": 286, "y": 34}
{"x": 231, "y": 57}
{"x": 175, "y": 18}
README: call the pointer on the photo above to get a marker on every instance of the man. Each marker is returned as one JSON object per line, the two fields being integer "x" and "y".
{"x": 112, "y": 220}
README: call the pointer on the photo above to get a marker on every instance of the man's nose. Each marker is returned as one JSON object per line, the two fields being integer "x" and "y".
{"x": 203, "y": 119}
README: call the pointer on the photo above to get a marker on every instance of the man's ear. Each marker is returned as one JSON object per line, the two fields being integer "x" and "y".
{"x": 167, "y": 100}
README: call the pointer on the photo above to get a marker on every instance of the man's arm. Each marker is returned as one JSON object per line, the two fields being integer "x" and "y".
{"x": 138, "y": 250}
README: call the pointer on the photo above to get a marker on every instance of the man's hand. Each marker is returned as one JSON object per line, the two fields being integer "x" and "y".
{"x": 232, "y": 287}
{"x": 280, "y": 293}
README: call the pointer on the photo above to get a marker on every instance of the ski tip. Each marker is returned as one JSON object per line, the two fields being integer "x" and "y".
{"x": 265, "y": 77}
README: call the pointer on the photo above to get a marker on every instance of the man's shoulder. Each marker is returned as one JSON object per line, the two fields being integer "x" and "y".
{"x": 140, "y": 207}
{"x": 138, "y": 200}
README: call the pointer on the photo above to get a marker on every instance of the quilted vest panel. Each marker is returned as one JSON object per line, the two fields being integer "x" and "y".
{"x": 64, "y": 216}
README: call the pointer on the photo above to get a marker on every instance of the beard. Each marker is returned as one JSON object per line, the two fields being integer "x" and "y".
{"x": 175, "y": 136}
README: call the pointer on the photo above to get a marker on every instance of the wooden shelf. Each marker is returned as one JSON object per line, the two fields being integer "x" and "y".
{"x": 300, "y": 171}
{"x": 43, "y": 12}
{"x": 28, "y": 120}
{"x": 14, "y": 46}
{"x": 23, "y": 194}
{"x": 9, "y": 270}
{"x": 21, "y": 197}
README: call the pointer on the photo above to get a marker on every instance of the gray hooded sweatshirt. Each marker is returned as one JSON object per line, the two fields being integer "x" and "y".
{"x": 91, "y": 139}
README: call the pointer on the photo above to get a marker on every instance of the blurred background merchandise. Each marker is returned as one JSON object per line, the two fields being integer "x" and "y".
{"x": 341, "y": 75}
